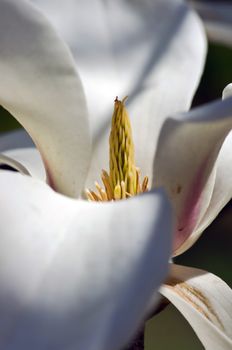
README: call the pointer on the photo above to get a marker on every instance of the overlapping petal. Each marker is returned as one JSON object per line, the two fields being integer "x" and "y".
{"x": 41, "y": 89}
{"x": 140, "y": 49}
{"x": 221, "y": 195}
{"x": 188, "y": 161}
{"x": 205, "y": 302}
{"x": 69, "y": 269}
{"x": 7, "y": 163}
{"x": 217, "y": 18}
{"x": 25, "y": 160}
{"x": 222, "y": 189}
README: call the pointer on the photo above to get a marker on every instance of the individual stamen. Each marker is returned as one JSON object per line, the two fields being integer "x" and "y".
{"x": 145, "y": 184}
{"x": 106, "y": 181}
{"x": 101, "y": 191}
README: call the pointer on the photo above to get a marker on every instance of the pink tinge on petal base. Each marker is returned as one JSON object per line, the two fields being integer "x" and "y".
{"x": 49, "y": 174}
{"x": 186, "y": 161}
{"x": 192, "y": 208}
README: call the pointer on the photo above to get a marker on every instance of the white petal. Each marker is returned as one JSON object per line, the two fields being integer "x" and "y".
{"x": 186, "y": 162}
{"x": 28, "y": 158}
{"x": 74, "y": 274}
{"x": 221, "y": 195}
{"x": 222, "y": 190}
{"x": 227, "y": 92}
{"x": 141, "y": 49}
{"x": 7, "y": 163}
{"x": 15, "y": 139}
{"x": 41, "y": 89}
{"x": 217, "y": 19}
{"x": 205, "y": 302}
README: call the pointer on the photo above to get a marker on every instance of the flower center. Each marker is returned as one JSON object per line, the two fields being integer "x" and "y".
{"x": 123, "y": 180}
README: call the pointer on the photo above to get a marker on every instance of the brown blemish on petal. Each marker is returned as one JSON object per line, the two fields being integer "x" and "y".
{"x": 196, "y": 298}
{"x": 191, "y": 205}
{"x": 176, "y": 189}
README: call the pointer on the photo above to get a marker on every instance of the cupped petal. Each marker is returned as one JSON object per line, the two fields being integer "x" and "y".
{"x": 186, "y": 163}
{"x": 217, "y": 18}
{"x": 25, "y": 160}
{"x": 222, "y": 191}
{"x": 139, "y": 49}
{"x": 205, "y": 301}
{"x": 221, "y": 195}
{"x": 69, "y": 268}
{"x": 41, "y": 89}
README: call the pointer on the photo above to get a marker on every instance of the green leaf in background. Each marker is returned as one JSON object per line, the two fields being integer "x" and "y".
{"x": 7, "y": 121}
{"x": 169, "y": 331}
{"x": 217, "y": 74}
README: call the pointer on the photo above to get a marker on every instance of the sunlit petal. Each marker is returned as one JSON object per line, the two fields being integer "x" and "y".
{"x": 41, "y": 89}
{"x": 69, "y": 269}
{"x": 135, "y": 48}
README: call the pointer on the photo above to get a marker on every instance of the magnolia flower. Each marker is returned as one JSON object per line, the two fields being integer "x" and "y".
{"x": 81, "y": 275}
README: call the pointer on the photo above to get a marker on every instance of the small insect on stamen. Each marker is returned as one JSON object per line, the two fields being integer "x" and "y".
{"x": 123, "y": 180}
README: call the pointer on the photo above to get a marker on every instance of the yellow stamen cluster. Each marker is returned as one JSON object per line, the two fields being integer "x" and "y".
{"x": 123, "y": 181}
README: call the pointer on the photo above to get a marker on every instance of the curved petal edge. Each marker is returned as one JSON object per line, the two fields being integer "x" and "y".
{"x": 205, "y": 301}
